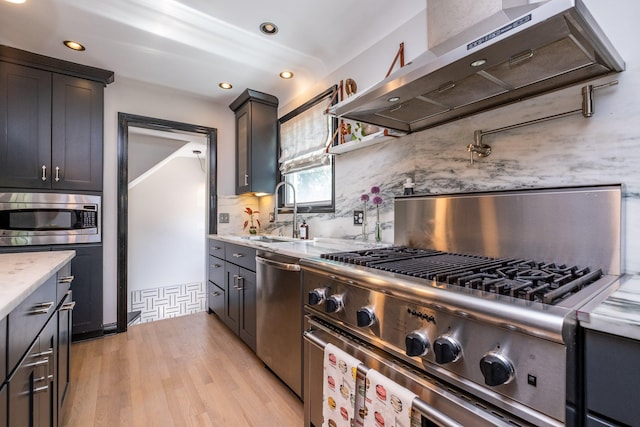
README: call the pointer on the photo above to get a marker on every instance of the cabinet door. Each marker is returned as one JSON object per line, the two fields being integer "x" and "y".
{"x": 25, "y": 127}
{"x": 247, "y": 290}
{"x": 76, "y": 145}
{"x": 215, "y": 298}
{"x": 86, "y": 268}
{"x": 3, "y": 405}
{"x": 21, "y": 410}
{"x": 231, "y": 315}
{"x": 64, "y": 349}
{"x": 243, "y": 146}
{"x": 45, "y": 381}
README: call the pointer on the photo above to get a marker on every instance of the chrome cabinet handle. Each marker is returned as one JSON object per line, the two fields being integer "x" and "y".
{"x": 44, "y": 173}
{"x": 240, "y": 287}
{"x": 216, "y": 248}
{"x": 246, "y": 179}
{"x": 216, "y": 293}
{"x": 66, "y": 279}
{"x": 237, "y": 255}
{"x": 68, "y": 306}
{"x": 235, "y": 281}
{"x": 57, "y": 178}
{"x": 41, "y": 362}
{"x": 42, "y": 308}
{"x": 41, "y": 389}
{"x": 44, "y": 353}
{"x": 216, "y": 265}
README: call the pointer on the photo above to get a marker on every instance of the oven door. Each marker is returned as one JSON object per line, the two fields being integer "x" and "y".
{"x": 436, "y": 405}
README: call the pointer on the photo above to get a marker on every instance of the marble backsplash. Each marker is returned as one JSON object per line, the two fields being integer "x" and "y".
{"x": 570, "y": 151}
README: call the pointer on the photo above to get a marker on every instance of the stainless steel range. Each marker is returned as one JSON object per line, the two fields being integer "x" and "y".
{"x": 474, "y": 308}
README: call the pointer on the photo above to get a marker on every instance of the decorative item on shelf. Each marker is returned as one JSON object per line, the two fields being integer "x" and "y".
{"x": 252, "y": 228}
{"x": 357, "y": 132}
{"x": 350, "y": 87}
{"x": 377, "y": 201}
{"x": 408, "y": 187}
{"x": 364, "y": 198}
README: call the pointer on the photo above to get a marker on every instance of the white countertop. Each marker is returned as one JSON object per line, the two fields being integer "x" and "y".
{"x": 22, "y": 273}
{"x": 299, "y": 248}
{"x": 618, "y": 313}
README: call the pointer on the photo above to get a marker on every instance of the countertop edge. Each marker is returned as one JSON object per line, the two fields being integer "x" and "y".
{"x": 15, "y": 287}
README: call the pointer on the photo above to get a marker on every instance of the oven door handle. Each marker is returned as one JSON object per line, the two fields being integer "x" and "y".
{"x": 279, "y": 265}
{"x": 418, "y": 404}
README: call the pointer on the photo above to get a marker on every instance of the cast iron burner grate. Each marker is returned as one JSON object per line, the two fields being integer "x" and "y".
{"x": 548, "y": 283}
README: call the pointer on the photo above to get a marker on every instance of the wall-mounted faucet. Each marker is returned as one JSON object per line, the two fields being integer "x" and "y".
{"x": 295, "y": 207}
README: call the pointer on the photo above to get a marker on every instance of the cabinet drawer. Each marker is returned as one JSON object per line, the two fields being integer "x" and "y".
{"x": 241, "y": 255}
{"x": 26, "y": 321}
{"x": 215, "y": 297}
{"x": 216, "y": 248}
{"x": 216, "y": 270}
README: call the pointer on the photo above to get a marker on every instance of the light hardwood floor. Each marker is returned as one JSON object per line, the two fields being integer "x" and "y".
{"x": 184, "y": 371}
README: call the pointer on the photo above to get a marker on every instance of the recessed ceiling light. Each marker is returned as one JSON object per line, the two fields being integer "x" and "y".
{"x": 394, "y": 99}
{"x": 286, "y": 75}
{"x": 225, "y": 85}
{"x": 268, "y": 28}
{"x": 478, "y": 63}
{"x": 73, "y": 45}
{"x": 16, "y": 1}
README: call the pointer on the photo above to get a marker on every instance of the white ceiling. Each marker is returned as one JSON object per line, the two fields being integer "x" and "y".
{"x": 193, "y": 45}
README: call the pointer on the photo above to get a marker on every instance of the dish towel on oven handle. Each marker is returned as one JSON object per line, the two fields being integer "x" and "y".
{"x": 388, "y": 403}
{"x": 339, "y": 387}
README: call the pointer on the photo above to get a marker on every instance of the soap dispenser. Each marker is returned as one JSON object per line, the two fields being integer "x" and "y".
{"x": 304, "y": 230}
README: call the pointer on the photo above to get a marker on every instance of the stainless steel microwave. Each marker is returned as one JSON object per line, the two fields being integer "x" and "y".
{"x": 28, "y": 219}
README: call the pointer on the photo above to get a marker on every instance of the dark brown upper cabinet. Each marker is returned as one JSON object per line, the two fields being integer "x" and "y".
{"x": 256, "y": 142}
{"x": 51, "y": 123}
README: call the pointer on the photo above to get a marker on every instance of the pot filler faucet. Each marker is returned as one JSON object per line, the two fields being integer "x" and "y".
{"x": 295, "y": 207}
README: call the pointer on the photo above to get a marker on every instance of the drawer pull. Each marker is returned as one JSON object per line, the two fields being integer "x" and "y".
{"x": 216, "y": 293}
{"x": 237, "y": 255}
{"x": 42, "y": 308}
{"x": 42, "y": 389}
{"x": 68, "y": 306}
{"x": 216, "y": 248}
{"x": 41, "y": 362}
{"x": 216, "y": 265}
{"x": 44, "y": 353}
{"x": 66, "y": 279}
{"x": 47, "y": 378}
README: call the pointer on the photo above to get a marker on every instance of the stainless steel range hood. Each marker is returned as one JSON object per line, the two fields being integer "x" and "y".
{"x": 518, "y": 53}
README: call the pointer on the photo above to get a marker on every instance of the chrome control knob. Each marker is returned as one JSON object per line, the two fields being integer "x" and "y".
{"x": 365, "y": 317}
{"x": 496, "y": 369}
{"x": 334, "y": 304}
{"x": 446, "y": 350}
{"x": 416, "y": 344}
{"x": 317, "y": 296}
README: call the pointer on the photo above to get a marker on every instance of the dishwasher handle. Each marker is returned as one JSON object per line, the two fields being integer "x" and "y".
{"x": 277, "y": 264}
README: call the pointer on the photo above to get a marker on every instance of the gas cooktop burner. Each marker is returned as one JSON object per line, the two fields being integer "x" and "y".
{"x": 547, "y": 283}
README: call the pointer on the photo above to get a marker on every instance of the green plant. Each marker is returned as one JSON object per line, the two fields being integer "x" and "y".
{"x": 358, "y": 132}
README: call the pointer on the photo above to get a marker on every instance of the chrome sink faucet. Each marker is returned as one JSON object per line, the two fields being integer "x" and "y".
{"x": 296, "y": 232}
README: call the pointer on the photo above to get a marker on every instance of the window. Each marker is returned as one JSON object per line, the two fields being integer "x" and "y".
{"x": 305, "y": 134}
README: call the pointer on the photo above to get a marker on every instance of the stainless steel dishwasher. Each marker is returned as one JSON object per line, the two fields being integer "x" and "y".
{"x": 279, "y": 316}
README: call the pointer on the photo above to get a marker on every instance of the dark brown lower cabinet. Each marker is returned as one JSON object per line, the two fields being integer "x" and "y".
{"x": 3, "y": 405}
{"x": 240, "y": 303}
{"x": 31, "y": 387}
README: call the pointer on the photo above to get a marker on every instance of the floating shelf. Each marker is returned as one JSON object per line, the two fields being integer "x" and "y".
{"x": 367, "y": 141}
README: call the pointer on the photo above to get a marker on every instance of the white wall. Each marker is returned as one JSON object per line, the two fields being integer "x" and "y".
{"x": 133, "y": 97}
{"x": 167, "y": 212}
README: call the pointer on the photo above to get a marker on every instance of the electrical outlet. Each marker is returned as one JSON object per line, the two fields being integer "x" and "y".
{"x": 272, "y": 217}
{"x": 358, "y": 217}
{"x": 223, "y": 218}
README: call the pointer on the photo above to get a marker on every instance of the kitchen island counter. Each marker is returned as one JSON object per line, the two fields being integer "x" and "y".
{"x": 618, "y": 312}
{"x": 22, "y": 273}
{"x": 297, "y": 248}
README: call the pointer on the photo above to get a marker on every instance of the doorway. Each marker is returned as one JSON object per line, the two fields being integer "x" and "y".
{"x": 129, "y": 127}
